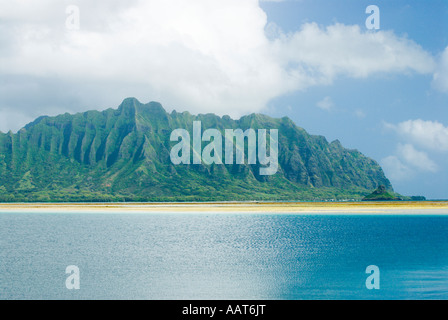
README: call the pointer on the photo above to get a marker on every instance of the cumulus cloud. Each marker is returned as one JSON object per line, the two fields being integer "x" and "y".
{"x": 324, "y": 53}
{"x": 325, "y": 104}
{"x": 430, "y": 135}
{"x": 395, "y": 169}
{"x": 415, "y": 158}
{"x": 406, "y": 162}
{"x": 198, "y": 55}
{"x": 441, "y": 74}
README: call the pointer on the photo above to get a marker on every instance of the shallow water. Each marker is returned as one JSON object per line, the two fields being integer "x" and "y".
{"x": 222, "y": 256}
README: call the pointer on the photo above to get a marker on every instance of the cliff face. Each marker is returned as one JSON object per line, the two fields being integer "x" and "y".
{"x": 124, "y": 154}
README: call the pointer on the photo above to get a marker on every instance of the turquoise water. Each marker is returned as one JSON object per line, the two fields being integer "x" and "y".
{"x": 222, "y": 256}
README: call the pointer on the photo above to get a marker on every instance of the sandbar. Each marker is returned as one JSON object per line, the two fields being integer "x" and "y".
{"x": 349, "y": 208}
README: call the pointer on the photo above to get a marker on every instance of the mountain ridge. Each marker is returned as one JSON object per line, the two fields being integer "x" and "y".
{"x": 123, "y": 154}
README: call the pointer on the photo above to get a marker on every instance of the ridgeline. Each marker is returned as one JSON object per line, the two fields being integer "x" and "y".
{"x": 124, "y": 155}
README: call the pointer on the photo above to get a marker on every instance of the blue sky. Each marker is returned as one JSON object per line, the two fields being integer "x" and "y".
{"x": 361, "y": 113}
{"x": 383, "y": 92}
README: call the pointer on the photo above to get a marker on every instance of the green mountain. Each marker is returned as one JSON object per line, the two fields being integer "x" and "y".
{"x": 381, "y": 194}
{"x": 124, "y": 155}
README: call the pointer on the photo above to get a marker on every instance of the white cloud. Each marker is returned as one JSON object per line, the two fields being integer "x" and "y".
{"x": 440, "y": 80}
{"x": 201, "y": 55}
{"x": 325, "y": 104}
{"x": 395, "y": 169}
{"x": 324, "y": 53}
{"x": 406, "y": 163}
{"x": 430, "y": 135}
{"x": 360, "y": 113}
{"x": 415, "y": 158}
{"x": 197, "y": 55}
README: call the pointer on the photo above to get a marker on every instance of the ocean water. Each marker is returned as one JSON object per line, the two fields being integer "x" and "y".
{"x": 222, "y": 256}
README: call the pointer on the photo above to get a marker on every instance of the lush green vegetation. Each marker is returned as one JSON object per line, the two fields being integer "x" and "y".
{"x": 381, "y": 194}
{"x": 123, "y": 155}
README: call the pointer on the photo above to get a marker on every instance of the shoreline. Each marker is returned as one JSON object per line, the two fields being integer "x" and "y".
{"x": 348, "y": 208}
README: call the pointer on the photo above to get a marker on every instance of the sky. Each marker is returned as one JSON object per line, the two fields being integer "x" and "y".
{"x": 375, "y": 80}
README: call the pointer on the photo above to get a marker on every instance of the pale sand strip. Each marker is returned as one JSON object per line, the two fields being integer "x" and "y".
{"x": 403, "y": 207}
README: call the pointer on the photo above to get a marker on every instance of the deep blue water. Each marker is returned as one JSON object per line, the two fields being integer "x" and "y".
{"x": 222, "y": 256}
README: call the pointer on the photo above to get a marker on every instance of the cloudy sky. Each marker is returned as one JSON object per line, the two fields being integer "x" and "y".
{"x": 382, "y": 91}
